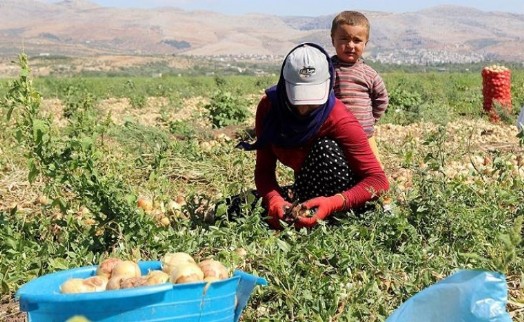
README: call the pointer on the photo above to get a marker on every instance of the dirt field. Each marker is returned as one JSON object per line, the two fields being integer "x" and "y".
{"x": 481, "y": 138}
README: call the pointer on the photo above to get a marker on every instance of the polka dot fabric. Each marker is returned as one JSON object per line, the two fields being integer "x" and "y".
{"x": 325, "y": 172}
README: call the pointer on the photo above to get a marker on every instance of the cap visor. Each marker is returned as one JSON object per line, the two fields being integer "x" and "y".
{"x": 307, "y": 94}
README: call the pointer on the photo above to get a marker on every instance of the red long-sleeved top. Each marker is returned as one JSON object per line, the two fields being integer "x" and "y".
{"x": 340, "y": 126}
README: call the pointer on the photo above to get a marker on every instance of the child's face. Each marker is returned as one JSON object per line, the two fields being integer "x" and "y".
{"x": 350, "y": 42}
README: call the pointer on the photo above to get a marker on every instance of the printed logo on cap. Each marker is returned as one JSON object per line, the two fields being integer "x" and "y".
{"x": 307, "y": 71}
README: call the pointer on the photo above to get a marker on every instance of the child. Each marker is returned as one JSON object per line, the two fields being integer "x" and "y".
{"x": 356, "y": 84}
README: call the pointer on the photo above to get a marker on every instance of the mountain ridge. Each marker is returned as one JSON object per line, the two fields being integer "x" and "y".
{"x": 83, "y": 28}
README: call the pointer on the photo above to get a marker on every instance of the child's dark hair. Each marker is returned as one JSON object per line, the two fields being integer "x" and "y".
{"x": 352, "y": 18}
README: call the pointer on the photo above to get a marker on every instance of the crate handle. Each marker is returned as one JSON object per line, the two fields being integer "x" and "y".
{"x": 245, "y": 287}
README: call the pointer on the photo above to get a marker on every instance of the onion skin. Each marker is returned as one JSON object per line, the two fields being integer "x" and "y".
{"x": 171, "y": 260}
{"x": 186, "y": 273}
{"x": 126, "y": 269}
{"x": 114, "y": 283}
{"x": 211, "y": 279}
{"x": 132, "y": 282}
{"x": 79, "y": 285}
{"x": 213, "y": 269}
{"x": 105, "y": 268}
{"x": 156, "y": 277}
{"x": 99, "y": 283}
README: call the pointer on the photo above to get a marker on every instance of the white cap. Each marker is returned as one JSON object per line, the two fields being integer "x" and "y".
{"x": 307, "y": 76}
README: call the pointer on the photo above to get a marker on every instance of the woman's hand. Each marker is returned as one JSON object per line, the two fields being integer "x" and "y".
{"x": 276, "y": 210}
{"x": 321, "y": 207}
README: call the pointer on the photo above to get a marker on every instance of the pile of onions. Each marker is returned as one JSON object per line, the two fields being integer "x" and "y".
{"x": 496, "y": 87}
{"x": 182, "y": 268}
{"x": 114, "y": 274}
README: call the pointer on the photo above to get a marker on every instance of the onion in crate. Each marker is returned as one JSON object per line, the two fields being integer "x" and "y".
{"x": 79, "y": 285}
{"x": 132, "y": 282}
{"x": 171, "y": 260}
{"x": 105, "y": 268}
{"x": 186, "y": 273}
{"x": 156, "y": 277}
{"x": 126, "y": 269}
{"x": 213, "y": 270}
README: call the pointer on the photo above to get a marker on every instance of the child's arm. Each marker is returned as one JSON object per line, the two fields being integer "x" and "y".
{"x": 379, "y": 97}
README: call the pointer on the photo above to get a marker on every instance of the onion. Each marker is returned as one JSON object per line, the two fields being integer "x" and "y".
{"x": 106, "y": 267}
{"x": 77, "y": 318}
{"x": 79, "y": 285}
{"x": 213, "y": 269}
{"x": 132, "y": 282}
{"x": 241, "y": 252}
{"x": 164, "y": 221}
{"x": 171, "y": 260}
{"x": 156, "y": 277}
{"x": 99, "y": 283}
{"x": 74, "y": 285}
{"x": 145, "y": 204}
{"x": 114, "y": 283}
{"x": 210, "y": 279}
{"x": 126, "y": 269}
{"x": 186, "y": 273}
{"x": 42, "y": 200}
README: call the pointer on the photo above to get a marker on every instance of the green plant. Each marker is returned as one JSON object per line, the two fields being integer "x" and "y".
{"x": 436, "y": 157}
{"x": 136, "y": 99}
{"x": 72, "y": 161}
{"x": 405, "y": 105}
{"x": 506, "y": 255}
{"x": 181, "y": 129}
{"x": 226, "y": 109}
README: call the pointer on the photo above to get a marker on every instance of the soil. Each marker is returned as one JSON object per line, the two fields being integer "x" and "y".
{"x": 10, "y": 311}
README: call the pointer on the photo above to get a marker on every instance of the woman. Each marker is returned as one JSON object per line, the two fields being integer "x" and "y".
{"x": 301, "y": 124}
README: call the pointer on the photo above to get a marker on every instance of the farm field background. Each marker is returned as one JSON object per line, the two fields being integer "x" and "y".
{"x": 73, "y": 165}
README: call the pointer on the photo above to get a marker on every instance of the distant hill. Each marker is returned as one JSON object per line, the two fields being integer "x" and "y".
{"x": 81, "y": 28}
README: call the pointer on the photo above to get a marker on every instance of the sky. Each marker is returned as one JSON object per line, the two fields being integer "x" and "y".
{"x": 311, "y": 7}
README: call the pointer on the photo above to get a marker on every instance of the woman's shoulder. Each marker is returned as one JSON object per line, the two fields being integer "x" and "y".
{"x": 264, "y": 105}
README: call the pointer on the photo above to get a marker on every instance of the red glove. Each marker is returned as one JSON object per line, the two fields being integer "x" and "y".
{"x": 321, "y": 207}
{"x": 276, "y": 208}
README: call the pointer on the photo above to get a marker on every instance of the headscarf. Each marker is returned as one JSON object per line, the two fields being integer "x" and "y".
{"x": 284, "y": 127}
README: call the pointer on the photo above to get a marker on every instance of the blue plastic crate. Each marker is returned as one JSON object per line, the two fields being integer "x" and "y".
{"x": 43, "y": 302}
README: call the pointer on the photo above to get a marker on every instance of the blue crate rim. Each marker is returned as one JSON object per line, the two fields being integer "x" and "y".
{"x": 24, "y": 291}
